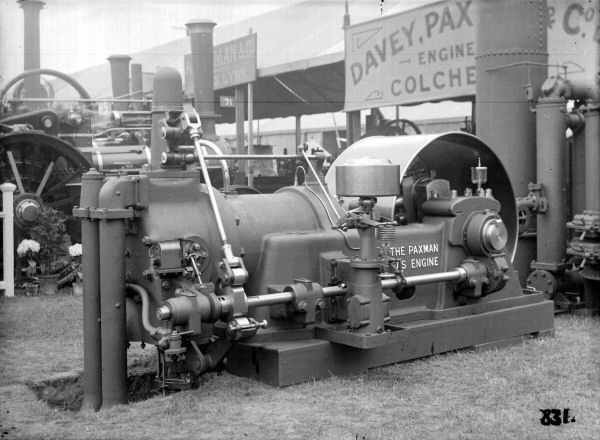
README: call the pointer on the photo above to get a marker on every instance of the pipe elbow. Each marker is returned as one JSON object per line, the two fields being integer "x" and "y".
{"x": 154, "y": 332}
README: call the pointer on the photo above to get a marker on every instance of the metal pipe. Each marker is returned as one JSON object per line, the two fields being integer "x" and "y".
{"x": 92, "y": 343}
{"x": 259, "y": 157}
{"x": 119, "y": 73}
{"x": 71, "y": 100}
{"x": 8, "y": 245}
{"x": 312, "y": 169}
{"x": 551, "y": 126}
{"x": 154, "y": 332}
{"x": 592, "y": 158}
{"x": 112, "y": 308}
{"x": 224, "y": 167}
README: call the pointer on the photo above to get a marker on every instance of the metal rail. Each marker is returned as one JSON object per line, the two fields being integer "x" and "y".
{"x": 257, "y": 157}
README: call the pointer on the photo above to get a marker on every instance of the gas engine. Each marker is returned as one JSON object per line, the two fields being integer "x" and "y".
{"x": 403, "y": 249}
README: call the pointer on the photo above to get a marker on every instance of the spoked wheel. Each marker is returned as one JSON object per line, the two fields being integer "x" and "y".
{"x": 46, "y": 171}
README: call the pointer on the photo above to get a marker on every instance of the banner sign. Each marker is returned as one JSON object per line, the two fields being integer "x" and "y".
{"x": 428, "y": 54}
{"x": 574, "y": 38}
{"x": 235, "y": 62}
{"x": 421, "y": 55}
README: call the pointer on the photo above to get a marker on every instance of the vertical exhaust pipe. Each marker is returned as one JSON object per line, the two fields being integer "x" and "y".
{"x": 31, "y": 46}
{"x": 201, "y": 40}
{"x": 167, "y": 96}
{"x": 119, "y": 74}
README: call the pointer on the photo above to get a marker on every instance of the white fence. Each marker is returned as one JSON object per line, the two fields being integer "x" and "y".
{"x": 8, "y": 246}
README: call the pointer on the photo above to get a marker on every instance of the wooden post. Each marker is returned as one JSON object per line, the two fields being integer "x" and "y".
{"x": 239, "y": 120}
{"x": 352, "y": 127}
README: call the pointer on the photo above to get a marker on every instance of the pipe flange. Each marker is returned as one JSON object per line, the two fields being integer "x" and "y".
{"x": 543, "y": 281}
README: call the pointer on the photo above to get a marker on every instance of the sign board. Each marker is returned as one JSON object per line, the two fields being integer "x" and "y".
{"x": 574, "y": 38}
{"x": 428, "y": 54}
{"x": 420, "y": 55}
{"x": 227, "y": 101}
{"x": 235, "y": 62}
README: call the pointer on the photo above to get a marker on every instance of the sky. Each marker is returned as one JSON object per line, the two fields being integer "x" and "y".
{"x": 76, "y": 34}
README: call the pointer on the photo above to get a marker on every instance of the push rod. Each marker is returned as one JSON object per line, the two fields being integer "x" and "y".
{"x": 211, "y": 195}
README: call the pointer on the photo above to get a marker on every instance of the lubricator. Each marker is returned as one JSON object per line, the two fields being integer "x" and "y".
{"x": 392, "y": 255}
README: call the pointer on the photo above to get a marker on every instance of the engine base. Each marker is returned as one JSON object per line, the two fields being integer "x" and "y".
{"x": 288, "y": 362}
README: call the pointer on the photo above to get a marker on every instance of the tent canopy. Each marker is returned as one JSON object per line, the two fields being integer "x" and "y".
{"x": 300, "y": 60}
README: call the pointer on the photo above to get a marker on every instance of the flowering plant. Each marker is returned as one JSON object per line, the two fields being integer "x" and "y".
{"x": 29, "y": 249}
{"x": 50, "y": 232}
{"x": 75, "y": 252}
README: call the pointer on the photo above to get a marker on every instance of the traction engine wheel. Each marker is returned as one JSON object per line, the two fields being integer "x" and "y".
{"x": 46, "y": 171}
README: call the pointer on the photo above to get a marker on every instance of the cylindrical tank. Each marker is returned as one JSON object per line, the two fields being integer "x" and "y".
{"x": 511, "y": 43}
{"x": 505, "y": 61}
{"x": 119, "y": 73}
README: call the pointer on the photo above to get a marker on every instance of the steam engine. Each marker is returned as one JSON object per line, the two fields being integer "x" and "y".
{"x": 411, "y": 257}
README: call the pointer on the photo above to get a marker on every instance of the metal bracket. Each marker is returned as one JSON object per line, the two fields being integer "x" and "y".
{"x": 81, "y": 212}
{"x": 112, "y": 213}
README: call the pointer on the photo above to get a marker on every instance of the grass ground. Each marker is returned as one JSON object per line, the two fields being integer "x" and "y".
{"x": 492, "y": 394}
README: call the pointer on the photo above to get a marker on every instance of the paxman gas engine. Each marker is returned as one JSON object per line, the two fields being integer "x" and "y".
{"x": 411, "y": 257}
